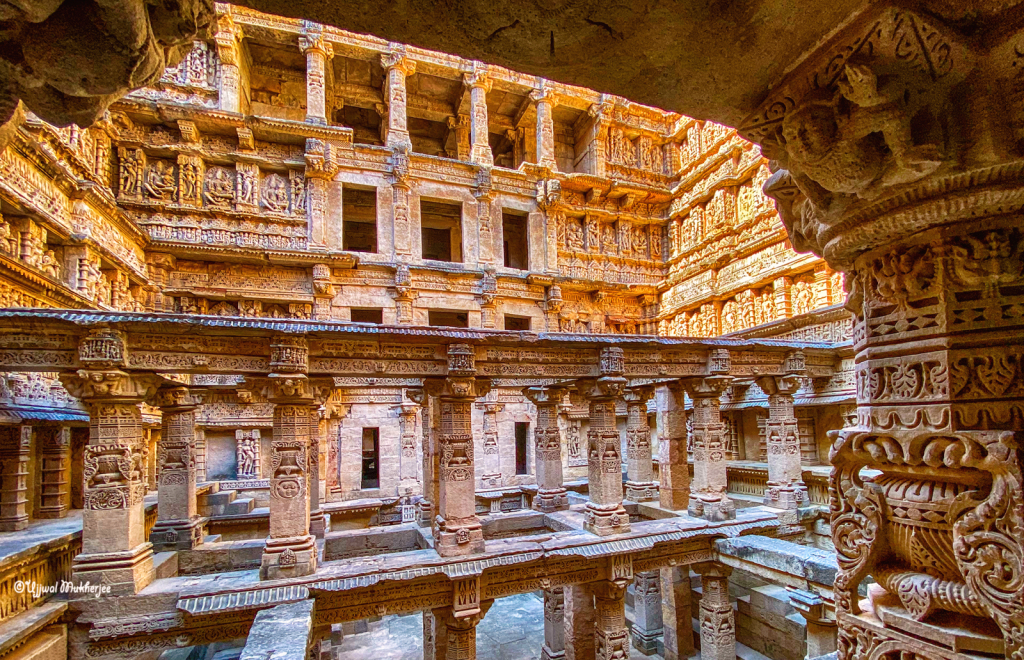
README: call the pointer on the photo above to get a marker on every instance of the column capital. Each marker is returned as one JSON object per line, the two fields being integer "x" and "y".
{"x": 544, "y": 94}
{"x": 606, "y": 387}
{"x": 110, "y": 385}
{"x": 178, "y": 398}
{"x": 289, "y": 354}
{"x": 477, "y": 78}
{"x": 398, "y": 60}
{"x": 297, "y": 389}
{"x": 546, "y": 395}
{"x": 706, "y": 387}
{"x": 457, "y": 388}
{"x": 712, "y": 569}
{"x": 638, "y": 394}
{"x": 312, "y": 39}
{"x": 786, "y": 385}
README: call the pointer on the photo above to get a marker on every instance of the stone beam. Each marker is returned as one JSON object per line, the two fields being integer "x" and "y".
{"x": 282, "y": 633}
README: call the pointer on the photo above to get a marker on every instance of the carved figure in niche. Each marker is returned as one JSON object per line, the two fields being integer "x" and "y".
{"x": 640, "y": 240}
{"x": 988, "y": 260}
{"x": 730, "y": 317}
{"x": 247, "y": 457}
{"x": 856, "y": 140}
{"x": 196, "y": 64}
{"x": 803, "y": 297}
{"x": 160, "y": 180}
{"x": 608, "y": 238}
{"x": 593, "y": 234}
{"x": 275, "y": 193}
{"x": 6, "y": 243}
{"x": 129, "y": 173}
{"x": 189, "y": 181}
{"x": 696, "y": 224}
{"x": 247, "y": 185}
{"x": 656, "y": 249}
{"x": 298, "y": 185}
{"x": 220, "y": 187}
{"x": 48, "y": 264}
{"x": 574, "y": 234}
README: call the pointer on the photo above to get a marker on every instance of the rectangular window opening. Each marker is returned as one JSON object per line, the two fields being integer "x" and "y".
{"x": 359, "y": 219}
{"x": 371, "y": 458}
{"x": 444, "y": 318}
{"x": 515, "y": 240}
{"x": 522, "y": 430}
{"x": 441, "y": 231}
{"x": 375, "y": 316}
{"x": 517, "y": 322}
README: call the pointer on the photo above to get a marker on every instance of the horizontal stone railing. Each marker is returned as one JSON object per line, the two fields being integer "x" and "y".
{"x": 45, "y": 564}
{"x": 782, "y": 562}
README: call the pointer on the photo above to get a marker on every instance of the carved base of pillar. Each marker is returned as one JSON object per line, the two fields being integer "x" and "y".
{"x": 51, "y": 512}
{"x": 646, "y": 641}
{"x": 317, "y": 523}
{"x": 14, "y": 523}
{"x": 425, "y": 513}
{"x": 786, "y": 497}
{"x": 289, "y": 557}
{"x": 714, "y": 510}
{"x": 171, "y": 535}
{"x": 605, "y": 520}
{"x": 457, "y": 541}
{"x": 481, "y": 155}
{"x": 126, "y": 573}
{"x": 552, "y": 500}
{"x": 642, "y": 491}
{"x": 548, "y": 654}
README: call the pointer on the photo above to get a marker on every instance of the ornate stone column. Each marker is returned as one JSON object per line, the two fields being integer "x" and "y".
{"x": 115, "y": 551}
{"x": 611, "y": 637}
{"x": 290, "y": 550}
{"x": 317, "y": 521}
{"x": 544, "y": 97}
{"x": 604, "y": 513}
{"x": 578, "y": 616}
{"x": 491, "y": 477}
{"x": 435, "y": 636}
{"x": 317, "y": 51}
{"x": 15, "y": 448}
{"x": 554, "y": 625}
{"x": 647, "y": 621}
{"x": 674, "y": 470}
{"x": 425, "y": 506}
{"x": 178, "y": 525}
{"x": 458, "y": 529}
{"x": 460, "y": 125}
{"x": 54, "y": 443}
{"x": 479, "y": 84}
{"x": 408, "y": 472}
{"x": 551, "y": 494}
{"x": 461, "y": 631}
{"x": 228, "y": 37}
{"x": 717, "y": 620}
{"x": 710, "y": 481}
{"x": 902, "y": 169}
{"x": 677, "y": 612}
{"x": 397, "y": 67}
{"x": 786, "y": 489}
{"x": 640, "y": 485}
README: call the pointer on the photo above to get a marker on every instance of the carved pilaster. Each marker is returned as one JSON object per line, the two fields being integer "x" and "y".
{"x": 178, "y": 525}
{"x": 717, "y": 620}
{"x": 461, "y": 631}
{"x": 640, "y": 485}
{"x": 317, "y": 521}
{"x": 458, "y": 530}
{"x": 604, "y": 513}
{"x": 676, "y": 612}
{"x": 554, "y": 625}
{"x": 611, "y": 636}
{"x": 786, "y": 489}
{"x": 54, "y": 443}
{"x": 579, "y": 621}
{"x": 491, "y": 477}
{"x": 545, "y": 100}
{"x": 228, "y": 38}
{"x": 15, "y": 450}
{"x": 647, "y": 622}
{"x": 710, "y": 482}
{"x": 551, "y": 494}
{"x": 408, "y": 472}
{"x": 673, "y": 468}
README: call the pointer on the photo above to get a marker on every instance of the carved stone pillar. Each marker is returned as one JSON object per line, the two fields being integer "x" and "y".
{"x": 717, "y": 619}
{"x": 604, "y": 513}
{"x": 786, "y": 489}
{"x": 479, "y": 84}
{"x": 461, "y": 631}
{"x": 397, "y": 67}
{"x": 611, "y": 637}
{"x": 54, "y": 443}
{"x": 677, "y": 612}
{"x": 673, "y": 469}
{"x": 425, "y": 506}
{"x": 435, "y": 636}
{"x": 317, "y": 521}
{"x": 460, "y": 126}
{"x": 551, "y": 494}
{"x": 640, "y": 485}
{"x": 178, "y": 525}
{"x": 228, "y": 37}
{"x": 821, "y": 629}
{"x": 458, "y": 531}
{"x": 554, "y": 625}
{"x": 491, "y": 477}
{"x": 921, "y": 225}
{"x": 408, "y": 472}
{"x": 15, "y": 450}
{"x": 710, "y": 481}
{"x": 647, "y": 621}
{"x": 317, "y": 51}
{"x": 544, "y": 98}
{"x": 114, "y": 548}
{"x": 579, "y": 618}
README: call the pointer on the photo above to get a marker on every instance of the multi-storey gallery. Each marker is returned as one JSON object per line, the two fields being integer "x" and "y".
{"x": 320, "y": 345}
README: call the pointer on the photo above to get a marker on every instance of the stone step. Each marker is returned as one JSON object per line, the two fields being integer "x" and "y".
{"x": 216, "y": 504}
{"x": 165, "y": 564}
{"x": 213, "y": 538}
{"x": 240, "y": 506}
